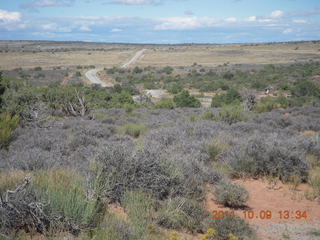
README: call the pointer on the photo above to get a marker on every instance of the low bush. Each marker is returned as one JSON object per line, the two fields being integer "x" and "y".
{"x": 139, "y": 206}
{"x": 215, "y": 148}
{"x": 230, "y": 194}
{"x": 65, "y": 191}
{"x": 184, "y": 99}
{"x": 231, "y": 114}
{"x": 232, "y": 96}
{"x": 305, "y": 88}
{"x": 120, "y": 169}
{"x": 267, "y": 104}
{"x": 7, "y": 126}
{"x": 232, "y": 224}
{"x": 209, "y": 115}
{"x": 314, "y": 181}
{"x": 133, "y": 129}
{"x": 48, "y": 202}
{"x": 168, "y": 70}
{"x": 114, "y": 228}
{"x": 164, "y": 103}
{"x": 181, "y": 213}
{"x": 269, "y": 155}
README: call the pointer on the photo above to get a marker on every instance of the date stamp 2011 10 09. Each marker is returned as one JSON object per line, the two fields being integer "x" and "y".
{"x": 262, "y": 214}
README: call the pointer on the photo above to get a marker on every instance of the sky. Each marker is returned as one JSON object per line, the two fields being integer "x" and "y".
{"x": 160, "y": 21}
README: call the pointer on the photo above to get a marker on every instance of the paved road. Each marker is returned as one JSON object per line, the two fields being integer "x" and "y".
{"x": 92, "y": 74}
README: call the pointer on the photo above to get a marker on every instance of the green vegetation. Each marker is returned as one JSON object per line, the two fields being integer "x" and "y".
{"x": 232, "y": 96}
{"x": 152, "y": 162}
{"x": 231, "y": 194}
{"x": 65, "y": 190}
{"x": 267, "y": 104}
{"x": 184, "y": 99}
{"x": 38, "y": 69}
{"x": 232, "y": 225}
{"x": 140, "y": 207}
{"x": 179, "y": 213}
{"x": 231, "y": 114}
{"x": 7, "y": 125}
{"x": 114, "y": 228}
{"x": 133, "y": 129}
{"x": 168, "y": 70}
{"x": 305, "y": 88}
{"x": 314, "y": 181}
{"x": 165, "y": 103}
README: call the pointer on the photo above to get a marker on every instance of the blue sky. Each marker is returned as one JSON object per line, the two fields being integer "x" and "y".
{"x": 160, "y": 21}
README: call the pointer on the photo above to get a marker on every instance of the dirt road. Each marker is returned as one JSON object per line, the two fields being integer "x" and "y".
{"x": 94, "y": 79}
{"x": 92, "y": 74}
{"x": 134, "y": 59}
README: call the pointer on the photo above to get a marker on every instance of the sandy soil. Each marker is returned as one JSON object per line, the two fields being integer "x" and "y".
{"x": 276, "y": 199}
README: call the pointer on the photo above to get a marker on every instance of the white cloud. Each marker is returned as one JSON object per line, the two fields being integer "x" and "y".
{"x": 276, "y": 14}
{"x": 116, "y": 30}
{"x": 133, "y": 2}
{"x": 251, "y": 19}
{"x": 7, "y": 17}
{"x": 178, "y": 23}
{"x": 49, "y": 26}
{"x": 264, "y": 20}
{"x": 299, "y": 21}
{"x": 230, "y": 20}
{"x": 287, "y": 31}
{"x": 85, "y": 28}
{"x": 34, "y": 5}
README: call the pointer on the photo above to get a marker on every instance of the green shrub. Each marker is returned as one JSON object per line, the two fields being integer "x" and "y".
{"x": 179, "y": 213}
{"x": 149, "y": 85}
{"x": 232, "y": 96}
{"x": 230, "y": 194}
{"x": 118, "y": 100}
{"x": 168, "y": 70}
{"x": 184, "y": 99}
{"x": 215, "y": 148}
{"x": 129, "y": 108}
{"x": 305, "y": 88}
{"x": 137, "y": 70}
{"x": 175, "y": 88}
{"x": 139, "y": 206}
{"x": 65, "y": 191}
{"x": 133, "y": 129}
{"x": 37, "y": 68}
{"x": 267, "y": 104}
{"x": 114, "y": 228}
{"x": 232, "y": 114}
{"x": 232, "y": 224}
{"x": 209, "y": 115}
{"x": 314, "y": 181}
{"x": 7, "y": 125}
{"x": 164, "y": 103}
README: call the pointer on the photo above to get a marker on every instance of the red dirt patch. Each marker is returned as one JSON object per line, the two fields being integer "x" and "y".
{"x": 264, "y": 197}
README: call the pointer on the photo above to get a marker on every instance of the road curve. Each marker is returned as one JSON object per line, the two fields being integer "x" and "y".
{"x": 94, "y": 79}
